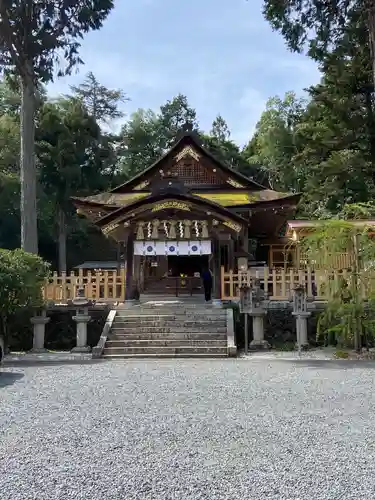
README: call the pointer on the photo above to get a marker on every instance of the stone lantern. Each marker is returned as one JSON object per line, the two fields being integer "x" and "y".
{"x": 81, "y": 318}
{"x": 39, "y": 327}
{"x": 252, "y": 304}
{"x": 301, "y": 313}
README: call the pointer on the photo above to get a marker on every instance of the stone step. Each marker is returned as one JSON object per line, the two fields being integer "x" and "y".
{"x": 171, "y": 351}
{"x": 158, "y": 323}
{"x": 171, "y": 329}
{"x": 165, "y": 343}
{"x": 168, "y": 336}
{"x": 162, "y": 355}
{"x": 200, "y": 306}
{"x": 172, "y": 315}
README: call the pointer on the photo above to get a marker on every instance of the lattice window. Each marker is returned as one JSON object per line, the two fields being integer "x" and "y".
{"x": 192, "y": 172}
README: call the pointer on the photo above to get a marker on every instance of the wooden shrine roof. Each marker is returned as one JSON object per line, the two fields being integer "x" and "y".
{"x": 186, "y": 141}
{"x": 199, "y": 203}
{"x": 194, "y": 175}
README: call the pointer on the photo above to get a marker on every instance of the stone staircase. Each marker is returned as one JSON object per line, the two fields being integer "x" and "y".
{"x": 169, "y": 328}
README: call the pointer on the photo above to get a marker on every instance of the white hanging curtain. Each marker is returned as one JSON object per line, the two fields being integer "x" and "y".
{"x": 188, "y": 247}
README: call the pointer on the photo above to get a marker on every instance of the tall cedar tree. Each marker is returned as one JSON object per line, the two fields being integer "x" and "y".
{"x": 33, "y": 33}
{"x": 101, "y": 102}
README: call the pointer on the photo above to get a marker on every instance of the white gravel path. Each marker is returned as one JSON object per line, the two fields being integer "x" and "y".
{"x": 186, "y": 429}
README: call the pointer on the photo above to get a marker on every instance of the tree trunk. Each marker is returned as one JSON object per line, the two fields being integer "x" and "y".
{"x": 370, "y": 5}
{"x": 62, "y": 241}
{"x": 29, "y": 228}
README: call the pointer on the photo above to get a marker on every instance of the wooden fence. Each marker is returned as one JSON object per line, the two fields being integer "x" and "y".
{"x": 278, "y": 284}
{"x": 105, "y": 286}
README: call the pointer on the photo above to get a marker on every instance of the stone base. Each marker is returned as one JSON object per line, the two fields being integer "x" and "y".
{"x": 39, "y": 350}
{"x": 130, "y": 303}
{"x": 304, "y": 347}
{"x": 259, "y": 345}
{"x": 232, "y": 351}
{"x": 84, "y": 349}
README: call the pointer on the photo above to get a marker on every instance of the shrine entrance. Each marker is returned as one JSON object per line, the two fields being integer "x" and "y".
{"x": 191, "y": 266}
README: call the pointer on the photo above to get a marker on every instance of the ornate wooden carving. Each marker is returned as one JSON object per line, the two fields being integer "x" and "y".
{"x": 155, "y": 229}
{"x": 187, "y": 224}
{"x": 204, "y": 229}
{"x": 140, "y": 232}
{"x": 172, "y": 229}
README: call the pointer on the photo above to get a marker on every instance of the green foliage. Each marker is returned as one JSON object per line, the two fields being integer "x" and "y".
{"x": 275, "y": 143}
{"x": 100, "y": 102}
{"x": 348, "y": 318}
{"x": 339, "y": 354}
{"x": 21, "y": 278}
{"x": 317, "y": 25}
{"x": 33, "y": 34}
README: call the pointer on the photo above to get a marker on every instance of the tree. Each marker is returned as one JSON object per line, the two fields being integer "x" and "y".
{"x": 32, "y": 36}
{"x": 173, "y": 117}
{"x": 336, "y": 135}
{"x": 322, "y": 25}
{"x": 220, "y": 130}
{"x": 275, "y": 142}
{"x": 68, "y": 150}
{"x": 140, "y": 142}
{"x": 101, "y": 102}
{"x": 148, "y": 135}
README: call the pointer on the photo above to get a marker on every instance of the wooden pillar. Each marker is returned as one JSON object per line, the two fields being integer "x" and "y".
{"x": 246, "y": 239}
{"x": 216, "y": 292}
{"x": 129, "y": 265}
{"x": 232, "y": 263}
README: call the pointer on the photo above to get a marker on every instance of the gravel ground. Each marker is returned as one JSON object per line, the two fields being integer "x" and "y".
{"x": 185, "y": 429}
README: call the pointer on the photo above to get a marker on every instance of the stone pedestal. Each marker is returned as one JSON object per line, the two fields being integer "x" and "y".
{"x": 81, "y": 320}
{"x": 301, "y": 329}
{"x": 130, "y": 303}
{"x": 39, "y": 324}
{"x": 258, "y": 342}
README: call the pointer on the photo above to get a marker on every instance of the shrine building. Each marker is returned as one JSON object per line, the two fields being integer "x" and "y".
{"x": 187, "y": 212}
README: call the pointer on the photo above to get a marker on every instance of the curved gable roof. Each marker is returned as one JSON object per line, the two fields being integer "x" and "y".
{"x": 195, "y": 200}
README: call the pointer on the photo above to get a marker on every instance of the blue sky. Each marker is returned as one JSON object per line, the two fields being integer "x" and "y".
{"x": 222, "y": 54}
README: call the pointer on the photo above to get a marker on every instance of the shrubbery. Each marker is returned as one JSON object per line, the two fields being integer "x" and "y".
{"x": 22, "y": 276}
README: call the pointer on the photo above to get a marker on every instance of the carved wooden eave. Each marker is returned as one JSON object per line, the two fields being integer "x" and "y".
{"x": 155, "y": 205}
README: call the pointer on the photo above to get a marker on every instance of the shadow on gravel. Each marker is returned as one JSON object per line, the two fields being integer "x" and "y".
{"x": 27, "y": 363}
{"x": 8, "y": 378}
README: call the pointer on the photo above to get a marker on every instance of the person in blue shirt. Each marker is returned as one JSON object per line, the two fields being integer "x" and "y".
{"x": 207, "y": 283}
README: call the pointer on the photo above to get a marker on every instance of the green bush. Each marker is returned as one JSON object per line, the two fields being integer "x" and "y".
{"x": 22, "y": 276}
{"x": 341, "y": 354}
